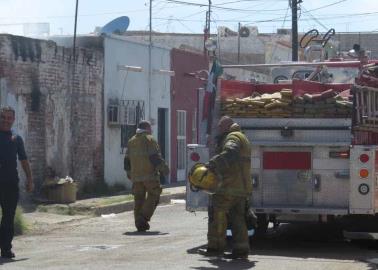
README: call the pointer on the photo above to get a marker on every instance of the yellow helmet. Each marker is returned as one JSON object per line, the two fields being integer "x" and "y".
{"x": 201, "y": 178}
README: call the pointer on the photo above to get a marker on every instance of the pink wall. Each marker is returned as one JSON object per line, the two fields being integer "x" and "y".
{"x": 184, "y": 95}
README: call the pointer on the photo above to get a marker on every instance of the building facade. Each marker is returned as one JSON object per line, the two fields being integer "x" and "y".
{"x": 58, "y": 103}
{"x": 128, "y": 95}
{"x": 185, "y": 105}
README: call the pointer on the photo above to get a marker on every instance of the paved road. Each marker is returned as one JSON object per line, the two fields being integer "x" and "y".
{"x": 177, "y": 241}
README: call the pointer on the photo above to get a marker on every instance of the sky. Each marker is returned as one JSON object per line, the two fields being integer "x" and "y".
{"x": 188, "y": 16}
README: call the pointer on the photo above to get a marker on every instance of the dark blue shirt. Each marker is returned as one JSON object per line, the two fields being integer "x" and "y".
{"x": 11, "y": 148}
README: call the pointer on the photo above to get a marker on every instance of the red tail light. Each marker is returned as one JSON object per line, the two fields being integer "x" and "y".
{"x": 195, "y": 156}
{"x": 364, "y": 158}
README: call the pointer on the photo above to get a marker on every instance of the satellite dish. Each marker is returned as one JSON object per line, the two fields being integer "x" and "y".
{"x": 116, "y": 26}
{"x": 211, "y": 44}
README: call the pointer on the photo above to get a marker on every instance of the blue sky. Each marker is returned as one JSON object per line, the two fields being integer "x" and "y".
{"x": 267, "y": 15}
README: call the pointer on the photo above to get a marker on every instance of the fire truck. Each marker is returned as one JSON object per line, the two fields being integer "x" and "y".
{"x": 314, "y": 148}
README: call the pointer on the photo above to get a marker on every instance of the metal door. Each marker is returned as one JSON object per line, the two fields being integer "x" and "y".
{"x": 287, "y": 178}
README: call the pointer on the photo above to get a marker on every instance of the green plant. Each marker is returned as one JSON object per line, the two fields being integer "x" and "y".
{"x": 20, "y": 225}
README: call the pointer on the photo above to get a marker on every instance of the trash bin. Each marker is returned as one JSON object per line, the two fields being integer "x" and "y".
{"x": 62, "y": 193}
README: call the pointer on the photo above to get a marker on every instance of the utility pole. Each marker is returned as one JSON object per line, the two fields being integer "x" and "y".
{"x": 150, "y": 65}
{"x": 207, "y": 27}
{"x": 239, "y": 26}
{"x": 74, "y": 37}
{"x": 73, "y": 103}
{"x": 294, "y": 29}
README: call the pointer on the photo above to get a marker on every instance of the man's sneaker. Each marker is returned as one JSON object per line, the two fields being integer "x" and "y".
{"x": 7, "y": 254}
{"x": 212, "y": 252}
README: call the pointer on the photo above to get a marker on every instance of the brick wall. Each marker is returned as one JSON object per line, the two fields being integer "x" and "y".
{"x": 59, "y": 100}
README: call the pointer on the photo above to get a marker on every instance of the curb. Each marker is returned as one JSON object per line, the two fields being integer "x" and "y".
{"x": 117, "y": 208}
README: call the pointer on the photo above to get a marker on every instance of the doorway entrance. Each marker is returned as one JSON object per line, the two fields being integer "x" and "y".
{"x": 163, "y": 137}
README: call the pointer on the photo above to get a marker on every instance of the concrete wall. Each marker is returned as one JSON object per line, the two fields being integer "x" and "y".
{"x": 251, "y": 48}
{"x": 368, "y": 41}
{"x": 129, "y": 85}
{"x": 58, "y": 105}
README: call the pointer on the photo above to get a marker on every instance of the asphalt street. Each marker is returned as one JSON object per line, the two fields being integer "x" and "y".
{"x": 177, "y": 240}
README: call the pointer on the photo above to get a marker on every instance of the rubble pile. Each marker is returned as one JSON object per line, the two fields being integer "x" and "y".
{"x": 283, "y": 104}
{"x": 369, "y": 76}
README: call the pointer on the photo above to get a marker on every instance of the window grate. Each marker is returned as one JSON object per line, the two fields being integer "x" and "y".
{"x": 132, "y": 114}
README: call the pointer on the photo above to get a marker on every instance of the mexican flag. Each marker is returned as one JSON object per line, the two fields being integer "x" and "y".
{"x": 210, "y": 93}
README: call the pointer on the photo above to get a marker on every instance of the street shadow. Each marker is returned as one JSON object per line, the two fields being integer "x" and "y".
{"x": 5, "y": 261}
{"x": 220, "y": 262}
{"x": 305, "y": 241}
{"x": 147, "y": 233}
{"x": 197, "y": 250}
{"x": 223, "y": 263}
{"x": 321, "y": 241}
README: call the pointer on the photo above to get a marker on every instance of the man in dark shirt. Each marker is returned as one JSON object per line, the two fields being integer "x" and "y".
{"x": 11, "y": 147}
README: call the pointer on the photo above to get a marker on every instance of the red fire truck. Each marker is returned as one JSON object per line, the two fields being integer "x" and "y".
{"x": 309, "y": 166}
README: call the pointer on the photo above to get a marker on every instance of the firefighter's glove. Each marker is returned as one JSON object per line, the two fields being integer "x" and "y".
{"x": 210, "y": 166}
{"x": 163, "y": 168}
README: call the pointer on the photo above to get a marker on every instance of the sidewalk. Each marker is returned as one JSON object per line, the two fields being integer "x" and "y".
{"x": 111, "y": 204}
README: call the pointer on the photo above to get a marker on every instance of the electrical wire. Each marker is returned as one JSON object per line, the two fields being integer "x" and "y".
{"x": 219, "y": 7}
{"x": 276, "y": 44}
{"x": 332, "y": 4}
{"x": 124, "y": 84}
{"x": 316, "y": 20}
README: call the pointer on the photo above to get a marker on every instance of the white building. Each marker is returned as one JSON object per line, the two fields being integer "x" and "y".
{"x": 127, "y": 99}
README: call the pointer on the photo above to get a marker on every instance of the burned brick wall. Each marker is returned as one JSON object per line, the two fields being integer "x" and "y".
{"x": 59, "y": 106}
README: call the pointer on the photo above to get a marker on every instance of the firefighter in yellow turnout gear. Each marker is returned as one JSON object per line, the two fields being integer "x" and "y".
{"x": 144, "y": 164}
{"x": 232, "y": 163}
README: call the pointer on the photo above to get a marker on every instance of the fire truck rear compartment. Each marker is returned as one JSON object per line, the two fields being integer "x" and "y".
{"x": 304, "y": 174}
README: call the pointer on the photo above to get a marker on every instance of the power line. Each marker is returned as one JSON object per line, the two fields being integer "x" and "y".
{"x": 219, "y": 7}
{"x": 332, "y": 4}
{"x": 316, "y": 20}
{"x": 276, "y": 44}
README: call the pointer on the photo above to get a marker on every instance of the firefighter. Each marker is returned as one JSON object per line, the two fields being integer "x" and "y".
{"x": 144, "y": 164}
{"x": 11, "y": 148}
{"x": 232, "y": 163}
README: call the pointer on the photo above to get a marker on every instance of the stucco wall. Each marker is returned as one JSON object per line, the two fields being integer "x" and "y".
{"x": 184, "y": 95}
{"x": 130, "y": 85}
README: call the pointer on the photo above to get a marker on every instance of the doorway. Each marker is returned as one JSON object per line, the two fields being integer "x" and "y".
{"x": 162, "y": 137}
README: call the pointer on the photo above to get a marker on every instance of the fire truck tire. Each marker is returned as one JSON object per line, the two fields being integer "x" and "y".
{"x": 280, "y": 77}
{"x": 262, "y": 226}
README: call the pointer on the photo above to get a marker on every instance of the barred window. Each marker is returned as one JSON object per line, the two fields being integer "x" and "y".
{"x": 132, "y": 112}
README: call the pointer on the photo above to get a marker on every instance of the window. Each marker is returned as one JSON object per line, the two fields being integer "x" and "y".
{"x": 132, "y": 112}
{"x": 113, "y": 114}
{"x": 127, "y": 131}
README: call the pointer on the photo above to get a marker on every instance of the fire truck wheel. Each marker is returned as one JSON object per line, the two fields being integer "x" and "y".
{"x": 280, "y": 77}
{"x": 262, "y": 226}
